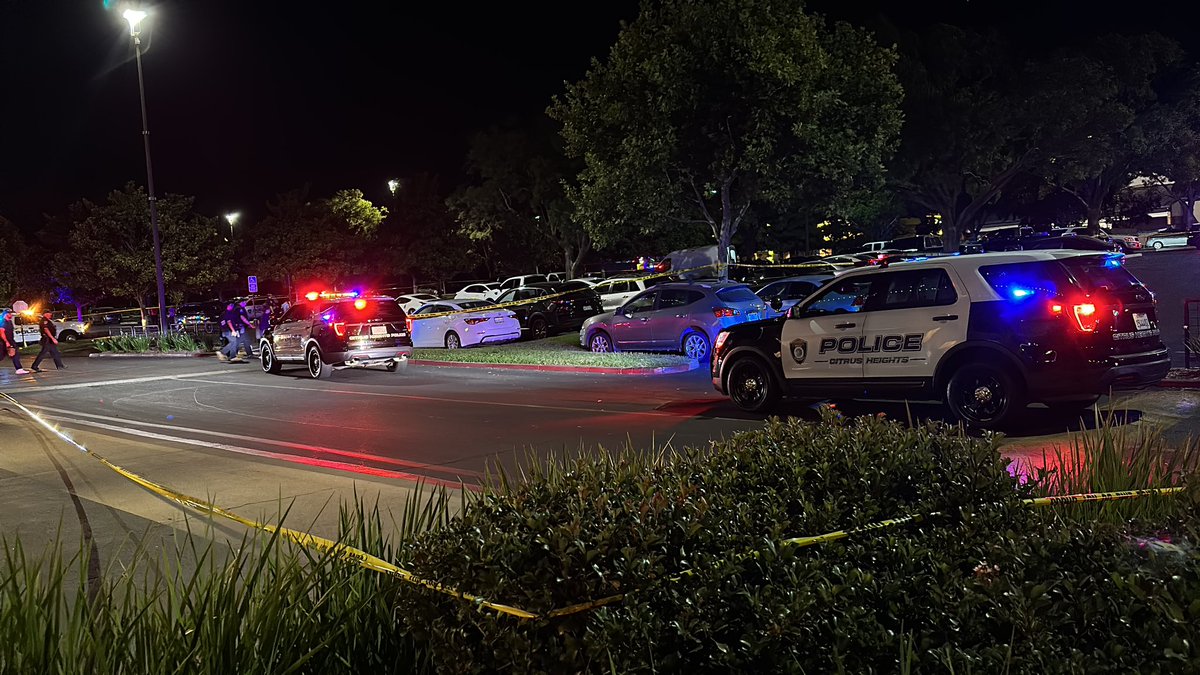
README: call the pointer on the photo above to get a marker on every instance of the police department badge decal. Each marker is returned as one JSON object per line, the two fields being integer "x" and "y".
{"x": 799, "y": 350}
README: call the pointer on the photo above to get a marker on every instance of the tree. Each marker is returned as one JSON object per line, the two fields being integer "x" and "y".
{"x": 1129, "y": 77}
{"x": 705, "y": 108}
{"x": 519, "y": 193}
{"x": 316, "y": 239}
{"x": 110, "y": 249}
{"x": 977, "y": 116}
{"x": 426, "y": 242}
{"x": 1174, "y": 155}
{"x": 13, "y": 246}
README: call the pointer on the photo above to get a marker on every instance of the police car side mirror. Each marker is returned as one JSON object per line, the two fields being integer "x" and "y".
{"x": 776, "y": 304}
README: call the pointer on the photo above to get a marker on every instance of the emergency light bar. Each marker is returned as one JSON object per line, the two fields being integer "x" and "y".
{"x": 329, "y": 295}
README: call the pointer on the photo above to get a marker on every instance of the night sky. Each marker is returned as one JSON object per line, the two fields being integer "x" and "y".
{"x": 252, "y": 97}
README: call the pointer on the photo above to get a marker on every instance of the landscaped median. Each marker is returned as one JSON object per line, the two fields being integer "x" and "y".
{"x": 561, "y": 352}
{"x": 659, "y": 561}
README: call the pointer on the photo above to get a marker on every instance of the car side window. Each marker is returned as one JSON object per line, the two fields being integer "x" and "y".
{"x": 507, "y": 296}
{"x": 641, "y": 303}
{"x": 297, "y": 312}
{"x": 772, "y": 291}
{"x": 801, "y": 289}
{"x": 677, "y": 297}
{"x": 846, "y": 296}
{"x": 913, "y": 288}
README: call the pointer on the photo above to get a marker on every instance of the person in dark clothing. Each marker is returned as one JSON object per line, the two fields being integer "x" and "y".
{"x": 246, "y": 329}
{"x": 48, "y": 333}
{"x": 230, "y": 323}
{"x": 8, "y": 340}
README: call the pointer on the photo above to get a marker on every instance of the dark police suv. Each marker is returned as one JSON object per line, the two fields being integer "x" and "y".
{"x": 988, "y": 334}
{"x": 332, "y": 331}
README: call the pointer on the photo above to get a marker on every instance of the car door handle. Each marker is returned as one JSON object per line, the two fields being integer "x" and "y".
{"x": 946, "y": 317}
{"x": 844, "y": 325}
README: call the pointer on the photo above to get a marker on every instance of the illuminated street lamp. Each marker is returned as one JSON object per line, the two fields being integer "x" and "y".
{"x": 134, "y": 17}
{"x": 232, "y": 218}
{"x": 393, "y": 185}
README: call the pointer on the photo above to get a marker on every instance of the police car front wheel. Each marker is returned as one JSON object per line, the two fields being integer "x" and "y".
{"x": 751, "y": 386}
{"x": 984, "y": 396}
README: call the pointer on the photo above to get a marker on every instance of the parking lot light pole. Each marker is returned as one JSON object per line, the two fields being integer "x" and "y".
{"x": 134, "y": 17}
{"x": 232, "y": 218}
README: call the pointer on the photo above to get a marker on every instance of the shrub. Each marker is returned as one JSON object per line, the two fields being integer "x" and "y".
{"x": 170, "y": 342}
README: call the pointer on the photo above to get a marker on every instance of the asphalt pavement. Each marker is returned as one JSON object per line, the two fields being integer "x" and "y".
{"x": 1174, "y": 276}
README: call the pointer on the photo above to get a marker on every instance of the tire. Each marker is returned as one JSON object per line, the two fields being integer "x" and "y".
{"x": 317, "y": 369}
{"x": 395, "y": 367}
{"x": 751, "y": 386}
{"x": 984, "y": 396}
{"x": 694, "y": 345}
{"x": 600, "y": 343}
{"x": 453, "y": 341}
{"x": 267, "y": 359}
{"x": 538, "y": 328}
{"x": 68, "y": 336}
{"x": 1157, "y": 246}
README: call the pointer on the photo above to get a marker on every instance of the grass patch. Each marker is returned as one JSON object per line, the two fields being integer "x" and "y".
{"x": 560, "y": 350}
{"x": 77, "y": 348}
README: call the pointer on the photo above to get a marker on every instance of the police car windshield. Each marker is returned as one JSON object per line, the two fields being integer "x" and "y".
{"x": 1096, "y": 274}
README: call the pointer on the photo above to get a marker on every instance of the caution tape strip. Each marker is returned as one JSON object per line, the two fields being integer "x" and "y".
{"x": 340, "y": 550}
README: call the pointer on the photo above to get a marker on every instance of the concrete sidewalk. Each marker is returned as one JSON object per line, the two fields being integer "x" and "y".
{"x": 51, "y": 491}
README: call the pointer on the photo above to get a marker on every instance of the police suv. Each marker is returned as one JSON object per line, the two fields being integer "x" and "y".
{"x": 988, "y": 334}
{"x": 332, "y": 331}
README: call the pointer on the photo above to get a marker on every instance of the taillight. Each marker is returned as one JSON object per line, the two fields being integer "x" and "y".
{"x": 722, "y": 312}
{"x": 339, "y": 327}
{"x": 1086, "y": 316}
{"x": 408, "y": 324}
{"x": 474, "y": 320}
{"x": 721, "y": 338}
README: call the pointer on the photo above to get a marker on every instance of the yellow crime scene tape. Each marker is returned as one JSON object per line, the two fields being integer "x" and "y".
{"x": 377, "y": 564}
{"x": 342, "y": 551}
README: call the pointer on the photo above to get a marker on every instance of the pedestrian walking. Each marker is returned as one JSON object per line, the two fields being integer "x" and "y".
{"x": 48, "y": 333}
{"x": 229, "y": 326}
{"x": 246, "y": 327}
{"x": 8, "y": 340}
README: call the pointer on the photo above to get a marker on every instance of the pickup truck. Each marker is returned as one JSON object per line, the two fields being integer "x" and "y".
{"x": 27, "y": 329}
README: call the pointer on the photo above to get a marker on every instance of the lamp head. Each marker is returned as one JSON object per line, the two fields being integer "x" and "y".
{"x": 134, "y": 17}
{"x": 233, "y": 216}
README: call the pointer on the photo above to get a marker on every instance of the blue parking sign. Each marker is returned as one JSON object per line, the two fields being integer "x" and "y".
{"x": 252, "y": 283}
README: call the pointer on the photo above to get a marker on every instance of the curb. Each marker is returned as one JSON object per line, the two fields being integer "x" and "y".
{"x": 157, "y": 355}
{"x": 599, "y": 370}
{"x": 1179, "y": 384}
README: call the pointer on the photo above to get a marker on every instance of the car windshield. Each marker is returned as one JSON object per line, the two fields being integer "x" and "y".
{"x": 1096, "y": 273}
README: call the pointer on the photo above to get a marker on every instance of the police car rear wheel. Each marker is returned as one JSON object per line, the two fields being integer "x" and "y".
{"x": 750, "y": 385}
{"x": 694, "y": 345}
{"x": 983, "y": 396}
{"x": 267, "y": 358}
{"x": 317, "y": 369}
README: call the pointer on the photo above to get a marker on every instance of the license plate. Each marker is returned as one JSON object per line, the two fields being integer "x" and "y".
{"x": 1141, "y": 322}
{"x": 753, "y": 316}
{"x": 379, "y": 330}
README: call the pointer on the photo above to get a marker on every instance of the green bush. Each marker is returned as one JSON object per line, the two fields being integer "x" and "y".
{"x": 692, "y": 542}
{"x": 170, "y": 342}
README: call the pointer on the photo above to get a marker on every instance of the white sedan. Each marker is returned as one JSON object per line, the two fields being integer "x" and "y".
{"x": 1168, "y": 238}
{"x": 478, "y": 291}
{"x": 413, "y": 301}
{"x": 465, "y": 329}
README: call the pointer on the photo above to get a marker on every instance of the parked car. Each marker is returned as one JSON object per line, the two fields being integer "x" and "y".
{"x": 1167, "y": 238}
{"x": 697, "y": 262}
{"x": 1128, "y": 243}
{"x": 516, "y": 282}
{"x": 477, "y": 291}
{"x": 198, "y": 314}
{"x": 674, "y": 316}
{"x": 921, "y": 243}
{"x": 556, "y": 276}
{"x": 847, "y": 260}
{"x": 28, "y": 331}
{"x": 781, "y": 295}
{"x": 615, "y": 291}
{"x": 542, "y": 317}
{"x": 874, "y": 246}
{"x": 411, "y": 302}
{"x": 466, "y": 328}
{"x": 1070, "y": 241}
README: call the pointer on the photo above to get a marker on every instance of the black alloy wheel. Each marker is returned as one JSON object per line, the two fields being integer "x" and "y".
{"x": 751, "y": 386}
{"x": 984, "y": 396}
{"x": 267, "y": 358}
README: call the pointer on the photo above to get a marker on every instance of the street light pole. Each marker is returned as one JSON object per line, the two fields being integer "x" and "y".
{"x": 134, "y": 17}
{"x": 232, "y": 218}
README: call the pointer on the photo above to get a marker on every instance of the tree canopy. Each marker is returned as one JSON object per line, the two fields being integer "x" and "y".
{"x": 704, "y": 109}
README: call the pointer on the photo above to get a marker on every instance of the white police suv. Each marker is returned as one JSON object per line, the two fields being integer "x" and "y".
{"x": 988, "y": 334}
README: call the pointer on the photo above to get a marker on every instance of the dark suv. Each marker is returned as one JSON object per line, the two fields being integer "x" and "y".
{"x": 540, "y": 318}
{"x": 337, "y": 331}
